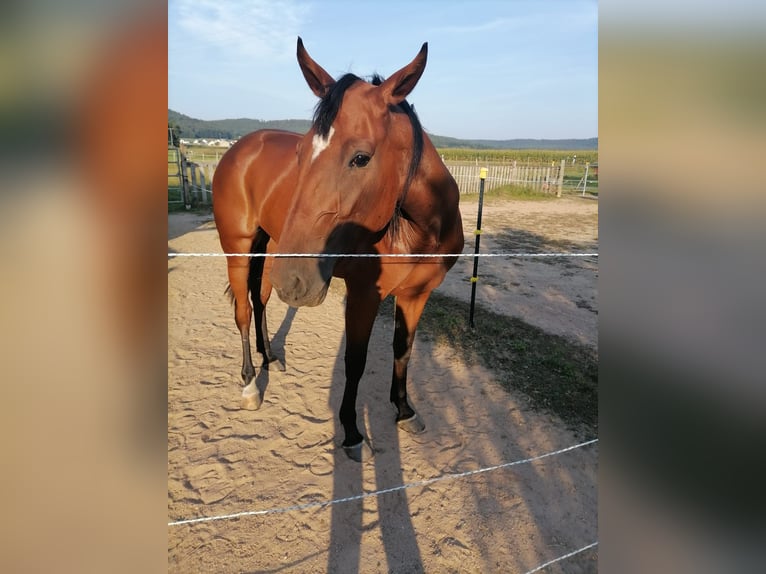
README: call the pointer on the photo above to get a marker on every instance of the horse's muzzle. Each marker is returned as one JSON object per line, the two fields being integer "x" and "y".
{"x": 300, "y": 284}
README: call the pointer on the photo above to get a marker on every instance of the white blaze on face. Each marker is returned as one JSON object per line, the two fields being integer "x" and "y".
{"x": 318, "y": 144}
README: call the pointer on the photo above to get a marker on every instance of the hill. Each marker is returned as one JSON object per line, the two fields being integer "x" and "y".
{"x": 235, "y": 128}
{"x": 230, "y": 129}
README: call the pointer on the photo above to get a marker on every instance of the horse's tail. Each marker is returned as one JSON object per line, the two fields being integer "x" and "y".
{"x": 229, "y": 293}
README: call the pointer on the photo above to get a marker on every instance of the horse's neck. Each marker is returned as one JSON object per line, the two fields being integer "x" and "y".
{"x": 423, "y": 199}
{"x": 416, "y": 223}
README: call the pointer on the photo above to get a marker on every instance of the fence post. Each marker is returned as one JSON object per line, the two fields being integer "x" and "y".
{"x": 475, "y": 277}
{"x": 194, "y": 182}
{"x": 203, "y": 185}
{"x": 197, "y": 181}
{"x": 185, "y": 184}
{"x": 585, "y": 178}
{"x": 561, "y": 178}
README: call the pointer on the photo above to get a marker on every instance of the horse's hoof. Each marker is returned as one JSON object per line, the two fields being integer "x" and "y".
{"x": 251, "y": 398}
{"x": 359, "y": 452}
{"x": 412, "y": 425}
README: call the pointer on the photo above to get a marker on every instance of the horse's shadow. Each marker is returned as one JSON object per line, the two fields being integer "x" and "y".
{"x": 394, "y": 517}
{"x": 280, "y": 337}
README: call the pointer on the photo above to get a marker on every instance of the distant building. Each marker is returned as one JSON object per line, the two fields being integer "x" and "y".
{"x": 216, "y": 142}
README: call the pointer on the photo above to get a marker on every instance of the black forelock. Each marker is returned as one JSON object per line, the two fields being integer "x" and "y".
{"x": 328, "y": 106}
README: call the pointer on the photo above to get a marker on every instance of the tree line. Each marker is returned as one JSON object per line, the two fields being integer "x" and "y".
{"x": 193, "y": 128}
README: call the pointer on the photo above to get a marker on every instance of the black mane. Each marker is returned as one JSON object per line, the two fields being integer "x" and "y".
{"x": 327, "y": 109}
{"x": 417, "y": 138}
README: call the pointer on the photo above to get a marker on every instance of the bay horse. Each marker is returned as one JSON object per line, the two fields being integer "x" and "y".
{"x": 365, "y": 179}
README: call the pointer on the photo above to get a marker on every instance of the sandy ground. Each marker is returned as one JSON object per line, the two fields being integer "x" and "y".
{"x": 557, "y": 295}
{"x": 223, "y": 459}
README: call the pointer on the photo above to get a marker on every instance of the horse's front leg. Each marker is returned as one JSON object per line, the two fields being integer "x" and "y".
{"x": 361, "y": 309}
{"x": 408, "y": 312}
{"x": 260, "y": 291}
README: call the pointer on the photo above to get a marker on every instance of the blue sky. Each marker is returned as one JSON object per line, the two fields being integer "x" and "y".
{"x": 496, "y": 70}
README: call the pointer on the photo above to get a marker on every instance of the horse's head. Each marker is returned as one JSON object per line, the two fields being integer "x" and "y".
{"x": 353, "y": 166}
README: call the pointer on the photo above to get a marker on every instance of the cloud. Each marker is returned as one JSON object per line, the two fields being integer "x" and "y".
{"x": 532, "y": 18}
{"x": 476, "y": 28}
{"x": 257, "y": 29}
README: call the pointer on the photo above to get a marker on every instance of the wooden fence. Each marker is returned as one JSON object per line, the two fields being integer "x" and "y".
{"x": 200, "y": 183}
{"x": 189, "y": 183}
{"x": 540, "y": 177}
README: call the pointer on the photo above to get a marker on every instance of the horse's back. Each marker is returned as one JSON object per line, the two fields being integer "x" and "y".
{"x": 254, "y": 182}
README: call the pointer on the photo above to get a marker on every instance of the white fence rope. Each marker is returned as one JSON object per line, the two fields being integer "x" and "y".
{"x": 560, "y": 558}
{"x": 326, "y": 503}
{"x": 367, "y": 255}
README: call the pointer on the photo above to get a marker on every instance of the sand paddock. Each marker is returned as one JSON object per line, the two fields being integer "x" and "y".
{"x": 223, "y": 459}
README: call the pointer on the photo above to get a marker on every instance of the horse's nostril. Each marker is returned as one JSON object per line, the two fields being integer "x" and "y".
{"x": 296, "y": 286}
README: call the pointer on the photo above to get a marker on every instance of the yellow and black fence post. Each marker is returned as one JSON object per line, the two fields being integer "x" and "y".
{"x": 477, "y": 233}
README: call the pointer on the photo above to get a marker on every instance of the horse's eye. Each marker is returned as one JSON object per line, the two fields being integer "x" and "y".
{"x": 359, "y": 160}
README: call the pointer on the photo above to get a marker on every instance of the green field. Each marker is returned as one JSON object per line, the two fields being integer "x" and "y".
{"x": 523, "y": 156}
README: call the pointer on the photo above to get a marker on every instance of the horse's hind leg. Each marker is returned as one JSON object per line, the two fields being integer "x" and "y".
{"x": 408, "y": 312}
{"x": 238, "y": 269}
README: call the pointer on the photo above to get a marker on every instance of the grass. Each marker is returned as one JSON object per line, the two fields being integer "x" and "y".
{"x": 176, "y": 207}
{"x": 517, "y": 192}
{"x": 548, "y": 371}
{"x": 507, "y": 192}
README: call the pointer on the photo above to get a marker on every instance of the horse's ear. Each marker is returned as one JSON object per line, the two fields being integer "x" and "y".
{"x": 400, "y": 84}
{"x": 318, "y": 80}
